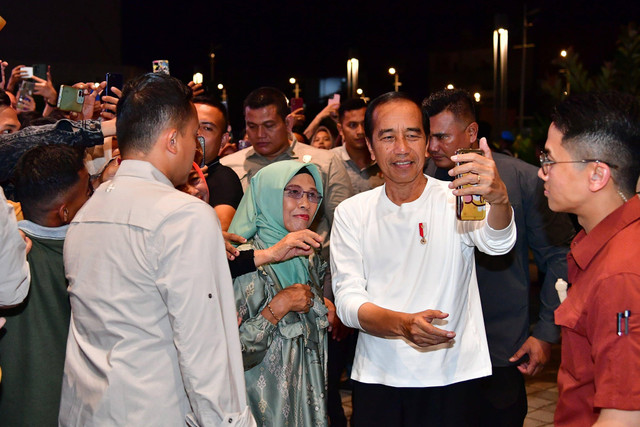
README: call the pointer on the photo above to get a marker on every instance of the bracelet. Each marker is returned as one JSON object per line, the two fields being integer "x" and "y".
{"x": 51, "y": 105}
{"x": 272, "y": 313}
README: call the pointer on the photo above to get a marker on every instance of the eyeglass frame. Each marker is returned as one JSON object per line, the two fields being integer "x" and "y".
{"x": 287, "y": 191}
{"x": 545, "y": 163}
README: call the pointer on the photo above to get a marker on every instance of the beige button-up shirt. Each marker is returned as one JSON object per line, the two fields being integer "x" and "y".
{"x": 153, "y": 338}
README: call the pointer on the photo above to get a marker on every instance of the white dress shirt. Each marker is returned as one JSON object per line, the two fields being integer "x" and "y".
{"x": 377, "y": 256}
{"x": 154, "y": 336}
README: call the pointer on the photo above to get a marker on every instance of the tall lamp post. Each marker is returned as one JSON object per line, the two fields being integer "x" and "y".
{"x": 396, "y": 79}
{"x": 353, "y": 66}
{"x": 296, "y": 88}
{"x": 500, "y": 47}
{"x": 564, "y": 70}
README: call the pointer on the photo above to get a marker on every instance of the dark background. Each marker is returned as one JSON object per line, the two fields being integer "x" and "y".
{"x": 258, "y": 43}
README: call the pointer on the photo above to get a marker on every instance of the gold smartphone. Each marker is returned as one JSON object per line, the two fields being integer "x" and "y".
{"x": 70, "y": 99}
{"x": 472, "y": 207}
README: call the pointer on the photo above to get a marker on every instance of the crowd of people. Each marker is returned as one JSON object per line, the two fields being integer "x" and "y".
{"x": 153, "y": 272}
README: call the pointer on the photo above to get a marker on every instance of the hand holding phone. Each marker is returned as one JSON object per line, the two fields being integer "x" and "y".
{"x": 469, "y": 207}
{"x": 70, "y": 98}
{"x": 26, "y": 72}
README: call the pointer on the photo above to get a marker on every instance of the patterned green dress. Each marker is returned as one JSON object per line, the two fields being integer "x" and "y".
{"x": 285, "y": 364}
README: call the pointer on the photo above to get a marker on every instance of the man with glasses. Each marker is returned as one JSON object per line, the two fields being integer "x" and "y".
{"x": 504, "y": 280}
{"x": 153, "y": 335}
{"x": 590, "y": 168}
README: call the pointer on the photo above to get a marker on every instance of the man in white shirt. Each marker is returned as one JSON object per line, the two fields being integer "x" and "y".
{"x": 403, "y": 273}
{"x": 153, "y": 338}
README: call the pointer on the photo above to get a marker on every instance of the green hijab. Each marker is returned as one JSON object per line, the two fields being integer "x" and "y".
{"x": 260, "y": 212}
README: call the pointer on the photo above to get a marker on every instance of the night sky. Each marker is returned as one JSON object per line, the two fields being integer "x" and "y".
{"x": 266, "y": 42}
{"x": 261, "y": 43}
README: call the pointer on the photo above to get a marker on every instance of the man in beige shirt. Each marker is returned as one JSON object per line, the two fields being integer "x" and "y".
{"x": 153, "y": 337}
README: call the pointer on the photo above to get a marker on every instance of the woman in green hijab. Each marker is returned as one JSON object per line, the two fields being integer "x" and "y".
{"x": 284, "y": 319}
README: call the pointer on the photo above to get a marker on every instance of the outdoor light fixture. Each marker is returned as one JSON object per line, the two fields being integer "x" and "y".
{"x": 220, "y": 86}
{"x": 449, "y": 86}
{"x": 477, "y": 96}
{"x": 359, "y": 91}
{"x": 396, "y": 79}
{"x": 292, "y": 80}
{"x": 353, "y": 66}
{"x": 563, "y": 53}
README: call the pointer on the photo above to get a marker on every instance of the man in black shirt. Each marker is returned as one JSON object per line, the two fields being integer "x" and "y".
{"x": 224, "y": 185}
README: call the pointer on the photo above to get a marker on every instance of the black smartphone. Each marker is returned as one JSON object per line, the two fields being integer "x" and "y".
{"x": 40, "y": 70}
{"x": 113, "y": 80}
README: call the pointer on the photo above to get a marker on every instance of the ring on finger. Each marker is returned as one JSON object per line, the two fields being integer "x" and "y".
{"x": 478, "y": 177}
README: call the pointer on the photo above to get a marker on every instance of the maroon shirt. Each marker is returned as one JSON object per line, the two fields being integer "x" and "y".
{"x": 601, "y": 369}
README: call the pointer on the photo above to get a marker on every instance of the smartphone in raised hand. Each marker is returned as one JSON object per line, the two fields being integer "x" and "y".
{"x": 471, "y": 207}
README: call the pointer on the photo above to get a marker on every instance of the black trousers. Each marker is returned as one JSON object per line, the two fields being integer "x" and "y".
{"x": 379, "y": 405}
{"x": 502, "y": 398}
{"x": 340, "y": 355}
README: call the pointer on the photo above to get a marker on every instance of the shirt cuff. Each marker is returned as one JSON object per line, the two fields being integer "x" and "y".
{"x": 348, "y": 310}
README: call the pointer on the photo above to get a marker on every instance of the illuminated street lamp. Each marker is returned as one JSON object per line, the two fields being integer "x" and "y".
{"x": 476, "y": 96}
{"x": 396, "y": 79}
{"x": 353, "y": 66}
{"x": 500, "y": 48}
{"x": 224, "y": 92}
{"x": 296, "y": 89}
{"x": 564, "y": 70}
{"x": 450, "y": 86}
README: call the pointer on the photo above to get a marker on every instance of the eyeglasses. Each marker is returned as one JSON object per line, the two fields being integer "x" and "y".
{"x": 545, "y": 163}
{"x": 296, "y": 192}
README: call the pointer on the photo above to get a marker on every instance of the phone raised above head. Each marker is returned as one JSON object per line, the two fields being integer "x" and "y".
{"x": 296, "y": 104}
{"x": 161, "y": 66}
{"x": 113, "y": 80}
{"x": 26, "y": 72}
{"x": 70, "y": 98}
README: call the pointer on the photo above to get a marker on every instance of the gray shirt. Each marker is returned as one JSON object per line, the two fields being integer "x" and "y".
{"x": 361, "y": 179}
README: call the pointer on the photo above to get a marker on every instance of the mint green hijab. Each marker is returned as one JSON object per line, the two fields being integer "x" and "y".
{"x": 260, "y": 212}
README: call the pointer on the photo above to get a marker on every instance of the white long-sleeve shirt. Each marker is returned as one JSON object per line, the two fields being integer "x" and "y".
{"x": 153, "y": 337}
{"x": 14, "y": 270}
{"x": 377, "y": 256}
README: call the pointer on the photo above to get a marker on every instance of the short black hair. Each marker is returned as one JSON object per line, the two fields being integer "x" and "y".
{"x": 42, "y": 175}
{"x": 5, "y": 101}
{"x": 603, "y": 126}
{"x": 458, "y": 101}
{"x": 215, "y": 103}
{"x": 26, "y": 118}
{"x": 385, "y": 99}
{"x": 266, "y": 96}
{"x": 350, "y": 105}
{"x": 149, "y": 104}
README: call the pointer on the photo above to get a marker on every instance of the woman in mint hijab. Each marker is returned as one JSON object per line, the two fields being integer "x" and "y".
{"x": 284, "y": 319}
